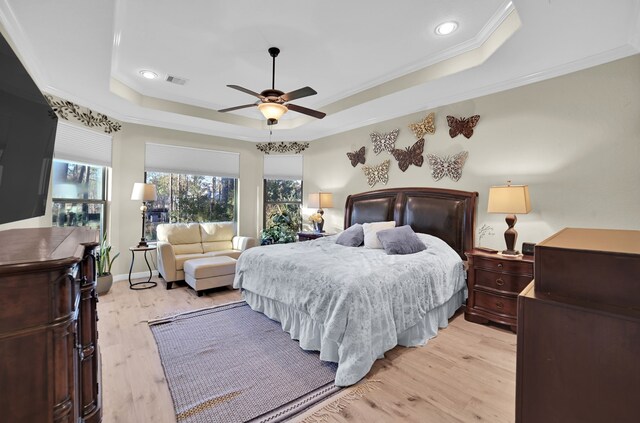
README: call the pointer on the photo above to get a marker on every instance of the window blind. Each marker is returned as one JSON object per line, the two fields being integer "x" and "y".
{"x": 287, "y": 167}
{"x": 191, "y": 161}
{"x": 77, "y": 144}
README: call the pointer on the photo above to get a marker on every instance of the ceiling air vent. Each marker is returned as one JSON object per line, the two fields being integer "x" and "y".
{"x": 176, "y": 80}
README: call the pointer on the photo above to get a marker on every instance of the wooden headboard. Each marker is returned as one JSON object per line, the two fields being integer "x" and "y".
{"x": 445, "y": 213}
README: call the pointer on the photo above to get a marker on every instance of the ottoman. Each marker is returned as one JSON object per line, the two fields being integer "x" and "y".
{"x": 209, "y": 272}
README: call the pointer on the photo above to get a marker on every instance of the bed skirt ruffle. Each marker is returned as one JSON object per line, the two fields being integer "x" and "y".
{"x": 310, "y": 333}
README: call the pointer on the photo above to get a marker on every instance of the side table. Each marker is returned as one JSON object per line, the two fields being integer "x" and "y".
{"x": 494, "y": 282}
{"x": 308, "y": 236}
{"x": 148, "y": 283}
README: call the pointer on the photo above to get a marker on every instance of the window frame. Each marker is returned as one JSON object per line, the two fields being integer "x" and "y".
{"x": 265, "y": 202}
{"x": 236, "y": 211}
{"x": 74, "y": 201}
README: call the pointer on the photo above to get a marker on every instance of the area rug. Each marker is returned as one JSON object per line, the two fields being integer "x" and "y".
{"x": 232, "y": 364}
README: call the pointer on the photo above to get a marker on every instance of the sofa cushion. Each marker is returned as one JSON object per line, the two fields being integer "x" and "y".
{"x": 229, "y": 253}
{"x": 179, "y": 233}
{"x": 216, "y": 246}
{"x": 217, "y": 231}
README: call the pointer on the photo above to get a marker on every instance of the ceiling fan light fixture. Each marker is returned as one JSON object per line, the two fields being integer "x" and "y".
{"x": 446, "y": 28}
{"x": 272, "y": 110}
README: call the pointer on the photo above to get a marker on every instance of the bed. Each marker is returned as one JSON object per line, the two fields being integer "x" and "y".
{"x": 354, "y": 304}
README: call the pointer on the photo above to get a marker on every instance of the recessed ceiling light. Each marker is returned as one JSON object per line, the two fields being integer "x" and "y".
{"x": 148, "y": 74}
{"x": 446, "y": 28}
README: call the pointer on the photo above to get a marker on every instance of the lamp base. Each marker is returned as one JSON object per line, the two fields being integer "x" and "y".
{"x": 143, "y": 243}
{"x": 510, "y": 253}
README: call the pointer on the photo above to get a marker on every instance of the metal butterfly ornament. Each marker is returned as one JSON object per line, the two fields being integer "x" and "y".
{"x": 384, "y": 142}
{"x": 357, "y": 157}
{"x": 377, "y": 173}
{"x": 450, "y": 166}
{"x": 462, "y": 126}
{"x": 410, "y": 155}
{"x": 427, "y": 126}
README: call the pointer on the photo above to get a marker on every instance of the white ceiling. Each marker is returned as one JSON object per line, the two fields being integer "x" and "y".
{"x": 370, "y": 61}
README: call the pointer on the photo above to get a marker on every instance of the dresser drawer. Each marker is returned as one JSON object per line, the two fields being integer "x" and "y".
{"x": 504, "y": 282}
{"x": 496, "y": 303}
{"x": 506, "y": 265}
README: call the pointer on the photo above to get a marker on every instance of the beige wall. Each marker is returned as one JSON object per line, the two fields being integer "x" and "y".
{"x": 575, "y": 140}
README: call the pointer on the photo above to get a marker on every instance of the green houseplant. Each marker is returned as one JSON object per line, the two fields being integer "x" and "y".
{"x": 281, "y": 230}
{"x": 105, "y": 261}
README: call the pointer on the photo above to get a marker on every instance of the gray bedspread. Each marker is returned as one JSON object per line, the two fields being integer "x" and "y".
{"x": 362, "y": 298}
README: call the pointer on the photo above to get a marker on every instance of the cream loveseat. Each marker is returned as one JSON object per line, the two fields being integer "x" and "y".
{"x": 179, "y": 242}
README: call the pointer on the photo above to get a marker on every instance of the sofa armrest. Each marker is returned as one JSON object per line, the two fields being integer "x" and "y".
{"x": 166, "y": 261}
{"x": 242, "y": 243}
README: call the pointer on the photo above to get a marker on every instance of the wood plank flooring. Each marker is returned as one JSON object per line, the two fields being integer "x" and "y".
{"x": 465, "y": 374}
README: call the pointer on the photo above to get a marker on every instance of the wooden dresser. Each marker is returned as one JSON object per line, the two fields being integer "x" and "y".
{"x": 494, "y": 282}
{"x": 49, "y": 358}
{"x": 578, "y": 356}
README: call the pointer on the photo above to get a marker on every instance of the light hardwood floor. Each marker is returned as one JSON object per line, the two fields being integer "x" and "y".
{"x": 465, "y": 374}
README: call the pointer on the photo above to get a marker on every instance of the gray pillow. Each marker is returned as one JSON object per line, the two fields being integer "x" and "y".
{"x": 353, "y": 236}
{"x": 400, "y": 240}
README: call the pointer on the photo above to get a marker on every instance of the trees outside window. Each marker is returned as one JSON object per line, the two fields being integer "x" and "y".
{"x": 282, "y": 194}
{"x": 190, "y": 198}
{"x": 79, "y": 195}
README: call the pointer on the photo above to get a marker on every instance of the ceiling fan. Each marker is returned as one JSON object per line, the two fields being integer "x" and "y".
{"x": 272, "y": 102}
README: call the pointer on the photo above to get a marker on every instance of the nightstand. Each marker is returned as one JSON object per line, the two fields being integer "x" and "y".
{"x": 494, "y": 282}
{"x": 308, "y": 236}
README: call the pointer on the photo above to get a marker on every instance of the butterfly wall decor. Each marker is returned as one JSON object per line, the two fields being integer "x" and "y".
{"x": 462, "y": 126}
{"x": 427, "y": 126}
{"x": 377, "y": 173}
{"x": 410, "y": 155}
{"x": 450, "y": 166}
{"x": 384, "y": 142}
{"x": 357, "y": 157}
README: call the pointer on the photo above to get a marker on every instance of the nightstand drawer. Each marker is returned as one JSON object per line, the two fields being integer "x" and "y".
{"x": 501, "y": 281}
{"x": 496, "y": 303}
{"x": 504, "y": 265}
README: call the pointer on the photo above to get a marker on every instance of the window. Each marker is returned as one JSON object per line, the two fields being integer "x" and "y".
{"x": 284, "y": 195}
{"x": 282, "y": 187}
{"x": 79, "y": 195}
{"x": 190, "y": 198}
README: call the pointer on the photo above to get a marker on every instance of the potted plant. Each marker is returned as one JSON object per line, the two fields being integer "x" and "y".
{"x": 105, "y": 261}
{"x": 281, "y": 230}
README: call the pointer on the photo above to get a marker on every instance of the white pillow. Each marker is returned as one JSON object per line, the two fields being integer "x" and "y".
{"x": 371, "y": 233}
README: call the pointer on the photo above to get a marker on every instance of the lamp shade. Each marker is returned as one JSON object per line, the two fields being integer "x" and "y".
{"x": 510, "y": 199}
{"x": 144, "y": 192}
{"x": 272, "y": 110}
{"x": 320, "y": 200}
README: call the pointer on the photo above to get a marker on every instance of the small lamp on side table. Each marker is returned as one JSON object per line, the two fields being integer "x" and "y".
{"x": 143, "y": 192}
{"x": 320, "y": 200}
{"x": 510, "y": 199}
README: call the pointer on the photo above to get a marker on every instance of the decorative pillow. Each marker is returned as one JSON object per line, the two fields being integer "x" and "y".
{"x": 353, "y": 236}
{"x": 400, "y": 240}
{"x": 371, "y": 230}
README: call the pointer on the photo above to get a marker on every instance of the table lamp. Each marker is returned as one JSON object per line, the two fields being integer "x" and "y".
{"x": 143, "y": 192}
{"x": 320, "y": 200}
{"x": 510, "y": 199}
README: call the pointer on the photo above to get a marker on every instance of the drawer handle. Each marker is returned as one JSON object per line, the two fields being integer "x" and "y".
{"x": 500, "y": 305}
{"x": 499, "y": 282}
{"x": 500, "y": 265}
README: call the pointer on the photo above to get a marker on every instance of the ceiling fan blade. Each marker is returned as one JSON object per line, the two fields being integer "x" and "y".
{"x": 305, "y": 111}
{"x": 299, "y": 93}
{"x": 244, "y": 106}
{"x": 244, "y": 90}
